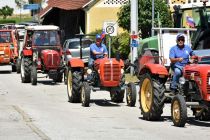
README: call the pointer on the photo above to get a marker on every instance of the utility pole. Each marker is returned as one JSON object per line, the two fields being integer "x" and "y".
{"x": 134, "y": 30}
{"x": 153, "y": 16}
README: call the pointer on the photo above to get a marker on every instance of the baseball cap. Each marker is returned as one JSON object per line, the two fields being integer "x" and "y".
{"x": 179, "y": 36}
{"x": 98, "y": 36}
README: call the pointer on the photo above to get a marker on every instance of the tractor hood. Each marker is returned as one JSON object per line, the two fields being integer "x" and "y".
{"x": 200, "y": 68}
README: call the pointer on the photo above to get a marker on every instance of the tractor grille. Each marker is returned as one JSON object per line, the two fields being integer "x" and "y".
{"x": 207, "y": 83}
{"x": 111, "y": 72}
{"x": 52, "y": 60}
{"x": 188, "y": 73}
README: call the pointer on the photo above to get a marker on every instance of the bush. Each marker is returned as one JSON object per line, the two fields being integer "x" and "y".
{"x": 7, "y": 21}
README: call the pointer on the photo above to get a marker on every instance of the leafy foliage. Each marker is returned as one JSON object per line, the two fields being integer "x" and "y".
{"x": 145, "y": 16}
{"x": 119, "y": 43}
{"x": 6, "y": 11}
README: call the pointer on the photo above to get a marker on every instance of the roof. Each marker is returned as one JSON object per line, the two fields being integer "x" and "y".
{"x": 42, "y": 27}
{"x": 64, "y": 4}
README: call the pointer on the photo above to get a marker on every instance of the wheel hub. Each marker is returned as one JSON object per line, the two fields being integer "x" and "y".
{"x": 176, "y": 111}
{"x": 69, "y": 83}
{"x": 146, "y": 95}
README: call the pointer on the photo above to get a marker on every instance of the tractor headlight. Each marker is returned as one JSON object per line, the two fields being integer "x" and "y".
{"x": 89, "y": 71}
{"x": 122, "y": 71}
{"x": 38, "y": 62}
{"x": 182, "y": 80}
{"x": 35, "y": 56}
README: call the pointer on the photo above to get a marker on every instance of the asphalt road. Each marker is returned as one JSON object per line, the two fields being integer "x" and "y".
{"x": 42, "y": 112}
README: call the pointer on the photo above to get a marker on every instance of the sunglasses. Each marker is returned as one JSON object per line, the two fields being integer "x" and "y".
{"x": 181, "y": 39}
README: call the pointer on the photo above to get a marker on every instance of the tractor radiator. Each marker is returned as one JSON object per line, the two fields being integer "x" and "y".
{"x": 111, "y": 72}
{"x": 208, "y": 83}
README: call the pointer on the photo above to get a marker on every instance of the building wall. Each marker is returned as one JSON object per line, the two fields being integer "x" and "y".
{"x": 104, "y": 10}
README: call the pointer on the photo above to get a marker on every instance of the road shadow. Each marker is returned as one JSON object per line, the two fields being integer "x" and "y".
{"x": 193, "y": 121}
{"x": 5, "y": 72}
{"x": 190, "y": 121}
{"x": 48, "y": 82}
{"x": 104, "y": 103}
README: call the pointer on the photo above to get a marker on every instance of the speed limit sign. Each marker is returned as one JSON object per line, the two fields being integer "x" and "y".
{"x": 110, "y": 27}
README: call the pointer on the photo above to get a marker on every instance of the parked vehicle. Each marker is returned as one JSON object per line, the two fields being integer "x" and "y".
{"x": 42, "y": 52}
{"x": 8, "y": 50}
{"x": 72, "y": 49}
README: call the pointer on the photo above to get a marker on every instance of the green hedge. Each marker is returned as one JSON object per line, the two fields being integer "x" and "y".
{"x": 7, "y": 21}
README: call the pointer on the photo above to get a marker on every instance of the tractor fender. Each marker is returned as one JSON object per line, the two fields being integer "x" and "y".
{"x": 27, "y": 52}
{"x": 155, "y": 69}
{"x": 76, "y": 62}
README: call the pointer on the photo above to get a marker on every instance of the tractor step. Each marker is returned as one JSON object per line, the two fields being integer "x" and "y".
{"x": 96, "y": 88}
{"x": 6, "y": 68}
{"x": 192, "y": 103}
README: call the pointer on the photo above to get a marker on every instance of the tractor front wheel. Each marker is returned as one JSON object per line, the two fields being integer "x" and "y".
{"x": 26, "y": 64}
{"x": 179, "y": 111}
{"x": 85, "y": 95}
{"x": 34, "y": 75}
{"x": 117, "y": 96}
{"x": 18, "y": 63}
{"x": 74, "y": 85}
{"x": 151, "y": 96}
{"x": 131, "y": 94}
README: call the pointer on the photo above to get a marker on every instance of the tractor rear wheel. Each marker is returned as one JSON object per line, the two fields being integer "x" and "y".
{"x": 131, "y": 94}
{"x": 85, "y": 95}
{"x": 18, "y": 63}
{"x": 179, "y": 111}
{"x": 26, "y": 64}
{"x": 74, "y": 85}
{"x": 151, "y": 97}
{"x": 34, "y": 75}
{"x": 204, "y": 116}
{"x": 117, "y": 96}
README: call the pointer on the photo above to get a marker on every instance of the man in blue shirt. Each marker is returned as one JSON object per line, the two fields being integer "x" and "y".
{"x": 179, "y": 56}
{"x": 97, "y": 50}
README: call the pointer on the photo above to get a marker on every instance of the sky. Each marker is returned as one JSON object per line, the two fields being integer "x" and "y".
{"x": 11, "y": 3}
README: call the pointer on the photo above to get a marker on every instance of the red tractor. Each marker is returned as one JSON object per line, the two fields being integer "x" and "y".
{"x": 42, "y": 52}
{"x": 8, "y": 50}
{"x": 107, "y": 74}
{"x": 155, "y": 75}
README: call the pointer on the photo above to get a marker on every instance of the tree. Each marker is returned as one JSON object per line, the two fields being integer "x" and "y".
{"x": 6, "y": 11}
{"x": 145, "y": 16}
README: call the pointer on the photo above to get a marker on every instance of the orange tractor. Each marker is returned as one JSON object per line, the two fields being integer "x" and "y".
{"x": 107, "y": 74}
{"x": 8, "y": 50}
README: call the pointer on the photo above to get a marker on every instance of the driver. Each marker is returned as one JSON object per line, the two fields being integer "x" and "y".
{"x": 97, "y": 50}
{"x": 179, "y": 56}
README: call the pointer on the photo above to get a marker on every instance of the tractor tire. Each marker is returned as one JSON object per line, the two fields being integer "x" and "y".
{"x": 85, "y": 94}
{"x": 131, "y": 94}
{"x": 151, "y": 97}
{"x": 18, "y": 63}
{"x": 205, "y": 116}
{"x": 65, "y": 75}
{"x": 59, "y": 78}
{"x": 34, "y": 75}
{"x": 179, "y": 111}
{"x": 26, "y": 64}
{"x": 14, "y": 68}
{"x": 117, "y": 96}
{"x": 74, "y": 86}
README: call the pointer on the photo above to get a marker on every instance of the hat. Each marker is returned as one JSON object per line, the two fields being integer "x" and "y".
{"x": 179, "y": 36}
{"x": 98, "y": 36}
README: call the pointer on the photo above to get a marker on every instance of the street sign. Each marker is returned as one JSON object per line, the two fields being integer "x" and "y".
{"x": 31, "y": 6}
{"x": 134, "y": 43}
{"x": 110, "y": 27}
